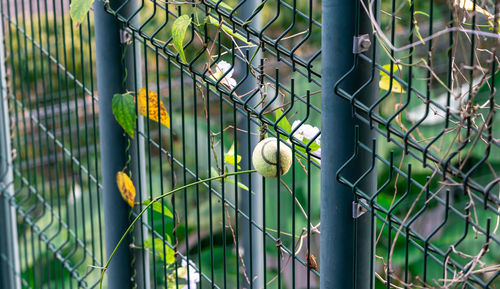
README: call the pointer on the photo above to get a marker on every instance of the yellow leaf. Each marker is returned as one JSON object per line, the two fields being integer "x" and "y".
{"x": 231, "y": 158}
{"x": 385, "y": 80}
{"x": 388, "y": 68}
{"x": 151, "y": 104}
{"x": 469, "y": 6}
{"x": 126, "y": 188}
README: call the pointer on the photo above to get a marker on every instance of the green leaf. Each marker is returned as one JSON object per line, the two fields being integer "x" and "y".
{"x": 123, "y": 106}
{"x": 419, "y": 36}
{"x": 79, "y": 9}
{"x": 225, "y": 6}
{"x": 179, "y": 32}
{"x": 231, "y": 158}
{"x": 229, "y": 180}
{"x": 283, "y": 123}
{"x": 157, "y": 207}
{"x": 240, "y": 185}
{"x": 228, "y": 30}
{"x": 303, "y": 150}
{"x": 159, "y": 246}
{"x": 313, "y": 147}
{"x": 421, "y": 13}
{"x": 214, "y": 172}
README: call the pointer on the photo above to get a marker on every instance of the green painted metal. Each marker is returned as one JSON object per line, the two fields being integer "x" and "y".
{"x": 345, "y": 241}
{"x": 129, "y": 267}
{"x": 422, "y": 202}
{"x": 9, "y": 252}
{"x": 251, "y": 204}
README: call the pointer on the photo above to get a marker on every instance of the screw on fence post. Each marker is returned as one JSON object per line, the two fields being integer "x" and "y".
{"x": 251, "y": 203}
{"x": 113, "y": 143}
{"x": 345, "y": 254}
{"x": 9, "y": 256}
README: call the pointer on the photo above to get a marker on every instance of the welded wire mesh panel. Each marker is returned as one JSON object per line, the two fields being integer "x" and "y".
{"x": 436, "y": 208}
{"x": 239, "y": 74}
{"x": 52, "y": 111}
{"x": 209, "y": 81}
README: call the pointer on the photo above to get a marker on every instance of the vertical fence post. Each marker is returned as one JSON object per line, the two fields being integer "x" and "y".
{"x": 346, "y": 253}
{"x": 251, "y": 203}
{"x": 113, "y": 143}
{"x": 9, "y": 256}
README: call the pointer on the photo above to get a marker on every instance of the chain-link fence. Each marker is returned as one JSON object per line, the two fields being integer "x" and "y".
{"x": 139, "y": 144}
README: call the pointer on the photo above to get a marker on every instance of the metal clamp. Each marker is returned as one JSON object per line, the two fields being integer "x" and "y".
{"x": 361, "y": 43}
{"x": 357, "y": 209}
{"x": 125, "y": 37}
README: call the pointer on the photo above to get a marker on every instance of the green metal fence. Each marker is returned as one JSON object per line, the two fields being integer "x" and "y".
{"x": 398, "y": 189}
{"x": 55, "y": 191}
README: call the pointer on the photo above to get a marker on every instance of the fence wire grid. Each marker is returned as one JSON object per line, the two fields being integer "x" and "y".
{"x": 420, "y": 178}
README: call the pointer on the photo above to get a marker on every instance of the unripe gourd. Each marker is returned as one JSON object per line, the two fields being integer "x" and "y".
{"x": 265, "y": 157}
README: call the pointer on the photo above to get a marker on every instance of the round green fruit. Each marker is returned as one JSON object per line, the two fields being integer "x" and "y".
{"x": 265, "y": 157}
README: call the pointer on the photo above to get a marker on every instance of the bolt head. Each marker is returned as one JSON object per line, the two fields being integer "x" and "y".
{"x": 365, "y": 43}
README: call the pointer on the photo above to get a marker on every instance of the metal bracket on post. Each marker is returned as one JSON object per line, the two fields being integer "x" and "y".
{"x": 125, "y": 37}
{"x": 361, "y": 43}
{"x": 358, "y": 208}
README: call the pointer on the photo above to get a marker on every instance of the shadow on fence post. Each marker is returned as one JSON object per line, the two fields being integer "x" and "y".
{"x": 346, "y": 252}
{"x": 113, "y": 143}
{"x": 9, "y": 253}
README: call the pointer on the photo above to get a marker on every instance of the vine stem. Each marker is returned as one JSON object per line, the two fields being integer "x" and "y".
{"x": 156, "y": 199}
{"x": 127, "y": 149}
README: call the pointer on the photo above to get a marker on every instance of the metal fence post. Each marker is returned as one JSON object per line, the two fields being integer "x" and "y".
{"x": 9, "y": 253}
{"x": 345, "y": 254}
{"x": 251, "y": 204}
{"x": 113, "y": 143}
